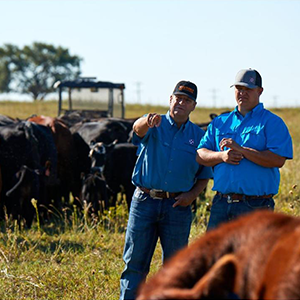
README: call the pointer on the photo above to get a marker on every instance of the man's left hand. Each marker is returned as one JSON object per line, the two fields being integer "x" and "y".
{"x": 229, "y": 143}
{"x": 184, "y": 199}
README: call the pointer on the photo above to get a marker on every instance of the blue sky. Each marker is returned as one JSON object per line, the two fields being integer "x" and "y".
{"x": 151, "y": 45}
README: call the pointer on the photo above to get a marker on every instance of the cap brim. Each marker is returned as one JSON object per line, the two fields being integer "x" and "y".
{"x": 250, "y": 86}
{"x": 181, "y": 93}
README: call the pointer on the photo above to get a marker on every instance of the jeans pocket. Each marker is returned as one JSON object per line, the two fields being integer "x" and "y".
{"x": 216, "y": 199}
{"x": 139, "y": 195}
{"x": 261, "y": 203}
{"x": 183, "y": 208}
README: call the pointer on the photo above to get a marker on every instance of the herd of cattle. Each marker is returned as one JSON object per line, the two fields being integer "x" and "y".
{"x": 254, "y": 257}
{"x": 49, "y": 158}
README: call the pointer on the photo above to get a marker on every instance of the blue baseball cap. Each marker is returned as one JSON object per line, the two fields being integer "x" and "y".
{"x": 249, "y": 78}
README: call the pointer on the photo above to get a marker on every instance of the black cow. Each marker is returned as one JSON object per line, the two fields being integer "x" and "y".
{"x": 82, "y": 163}
{"x": 23, "y": 150}
{"x": 105, "y": 131}
{"x": 116, "y": 163}
{"x": 128, "y": 123}
{"x": 95, "y": 193}
{"x": 5, "y": 120}
{"x": 118, "y": 168}
{"x": 72, "y": 118}
{"x": 26, "y": 188}
{"x": 48, "y": 162}
{"x": 98, "y": 155}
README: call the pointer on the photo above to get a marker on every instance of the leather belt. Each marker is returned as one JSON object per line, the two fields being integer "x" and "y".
{"x": 242, "y": 197}
{"x": 159, "y": 194}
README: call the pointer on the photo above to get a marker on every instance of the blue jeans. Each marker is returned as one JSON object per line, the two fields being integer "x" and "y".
{"x": 150, "y": 219}
{"x": 223, "y": 210}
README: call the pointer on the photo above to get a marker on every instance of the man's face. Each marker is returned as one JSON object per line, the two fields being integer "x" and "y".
{"x": 181, "y": 106}
{"x": 247, "y": 98}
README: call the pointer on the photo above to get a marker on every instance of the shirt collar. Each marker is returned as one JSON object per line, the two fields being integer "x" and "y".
{"x": 172, "y": 122}
{"x": 258, "y": 108}
{"x": 169, "y": 118}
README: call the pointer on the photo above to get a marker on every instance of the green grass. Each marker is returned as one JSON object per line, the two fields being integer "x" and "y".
{"x": 78, "y": 257}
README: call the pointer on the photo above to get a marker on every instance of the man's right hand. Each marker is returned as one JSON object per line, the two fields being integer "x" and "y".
{"x": 153, "y": 120}
{"x": 142, "y": 125}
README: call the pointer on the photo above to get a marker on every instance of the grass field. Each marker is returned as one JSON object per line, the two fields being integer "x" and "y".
{"x": 75, "y": 257}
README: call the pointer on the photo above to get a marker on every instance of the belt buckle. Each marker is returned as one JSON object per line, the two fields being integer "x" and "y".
{"x": 153, "y": 192}
{"x": 230, "y": 200}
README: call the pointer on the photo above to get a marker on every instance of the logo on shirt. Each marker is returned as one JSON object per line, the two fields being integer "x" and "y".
{"x": 192, "y": 142}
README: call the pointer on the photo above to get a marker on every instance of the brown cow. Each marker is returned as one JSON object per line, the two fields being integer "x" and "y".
{"x": 254, "y": 257}
{"x": 68, "y": 157}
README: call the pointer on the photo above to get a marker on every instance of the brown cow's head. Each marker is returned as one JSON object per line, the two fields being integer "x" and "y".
{"x": 254, "y": 257}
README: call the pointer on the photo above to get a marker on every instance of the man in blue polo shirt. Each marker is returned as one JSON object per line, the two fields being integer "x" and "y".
{"x": 167, "y": 179}
{"x": 246, "y": 148}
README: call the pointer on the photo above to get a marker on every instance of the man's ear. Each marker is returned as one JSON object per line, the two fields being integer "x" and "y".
{"x": 171, "y": 97}
{"x": 194, "y": 106}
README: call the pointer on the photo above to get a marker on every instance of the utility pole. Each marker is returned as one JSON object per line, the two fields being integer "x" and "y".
{"x": 138, "y": 92}
{"x": 214, "y": 96}
{"x": 275, "y": 101}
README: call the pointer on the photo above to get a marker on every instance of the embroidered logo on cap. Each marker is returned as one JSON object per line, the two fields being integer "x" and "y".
{"x": 252, "y": 80}
{"x": 182, "y": 87}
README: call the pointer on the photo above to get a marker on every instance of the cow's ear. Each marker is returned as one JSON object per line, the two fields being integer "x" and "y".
{"x": 220, "y": 281}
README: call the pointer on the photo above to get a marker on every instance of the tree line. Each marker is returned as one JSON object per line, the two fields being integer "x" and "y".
{"x": 33, "y": 69}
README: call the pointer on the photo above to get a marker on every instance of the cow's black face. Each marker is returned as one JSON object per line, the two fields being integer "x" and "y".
{"x": 97, "y": 155}
{"x": 94, "y": 193}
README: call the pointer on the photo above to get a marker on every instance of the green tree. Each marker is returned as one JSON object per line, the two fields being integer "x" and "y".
{"x": 34, "y": 69}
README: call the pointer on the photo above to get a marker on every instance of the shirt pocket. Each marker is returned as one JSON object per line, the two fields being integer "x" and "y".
{"x": 187, "y": 147}
{"x": 221, "y": 134}
{"x": 253, "y": 138}
{"x": 159, "y": 138}
{"x": 188, "y": 161}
